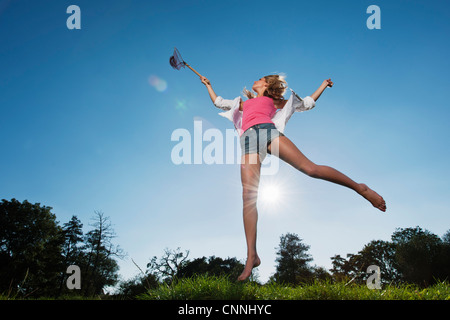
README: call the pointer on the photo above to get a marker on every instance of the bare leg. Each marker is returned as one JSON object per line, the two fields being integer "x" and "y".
{"x": 250, "y": 173}
{"x": 288, "y": 152}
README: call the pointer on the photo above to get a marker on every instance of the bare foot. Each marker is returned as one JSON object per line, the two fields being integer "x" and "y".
{"x": 251, "y": 263}
{"x": 374, "y": 198}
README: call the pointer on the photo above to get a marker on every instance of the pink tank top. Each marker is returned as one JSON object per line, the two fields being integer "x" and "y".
{"x": 257, "y": 110}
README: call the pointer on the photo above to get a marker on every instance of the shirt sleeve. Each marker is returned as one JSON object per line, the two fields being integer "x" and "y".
{"x": 306, "y": 104}
{"x": 294, "y": 104}
{"x": 223, "y": 104}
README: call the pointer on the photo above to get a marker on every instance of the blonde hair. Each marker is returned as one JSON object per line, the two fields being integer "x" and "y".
{"x": 277, "y": 87}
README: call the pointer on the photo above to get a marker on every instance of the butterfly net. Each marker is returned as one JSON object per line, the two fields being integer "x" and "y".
{"x": 176, "y": 61}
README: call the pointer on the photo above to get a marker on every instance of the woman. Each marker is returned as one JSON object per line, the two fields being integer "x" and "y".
{"x": 260, "y": 121}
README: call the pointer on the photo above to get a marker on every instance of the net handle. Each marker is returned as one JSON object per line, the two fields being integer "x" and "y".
{"x": 192, "y": 69}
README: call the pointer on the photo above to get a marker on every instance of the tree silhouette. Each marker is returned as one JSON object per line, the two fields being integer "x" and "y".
{"x": 414, "y": 256}
{"x": 213, "y": 266}
{"x": 35, "y": 251}
{"x": 417, "y": 254}
{"x": 376, "y": 252}
{"x": 169, "y": 265}
{"x": 30, "y": 248}
{"x": 73, "y": 235}
{"x": 292, "y": 260}
{"x": 99, "y": 266}
{"x": 71, "y": 251}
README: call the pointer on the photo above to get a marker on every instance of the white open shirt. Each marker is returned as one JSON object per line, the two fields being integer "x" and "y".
{"x": 281, "y": 117}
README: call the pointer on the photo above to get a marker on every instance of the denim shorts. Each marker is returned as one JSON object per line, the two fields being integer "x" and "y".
{"x": 257, "y": 138}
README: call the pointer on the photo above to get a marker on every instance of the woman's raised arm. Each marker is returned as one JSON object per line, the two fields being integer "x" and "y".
{"x": 321, "y": 89}
{"x": 211, "y": 92}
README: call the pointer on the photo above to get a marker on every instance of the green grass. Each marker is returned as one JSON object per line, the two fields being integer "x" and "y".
{"x": 221, "y": 288}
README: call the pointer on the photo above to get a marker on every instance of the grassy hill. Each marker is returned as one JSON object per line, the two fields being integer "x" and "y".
{"x": 221, "y": 288}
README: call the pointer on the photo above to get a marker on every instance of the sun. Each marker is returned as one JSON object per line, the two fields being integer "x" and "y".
{"x": 275, "y": 194}
{"x": 270, "y": 194}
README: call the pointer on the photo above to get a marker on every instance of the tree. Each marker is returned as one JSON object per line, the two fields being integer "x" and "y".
{"x": 73, "y": 235}
{"x": 417, "y": 254}
{"x": 213, "y": 266}
{"x": 342, "y": 269}
{"x": 321, "y": 274}
{"x": 100, "y": 268}
{"x": 168, "y": 265}
{"x": 376, "y": 252}
{"x": 140, "y": 284}
{"x": 446, "y": 237}
{"x": 35, "y": 251}
{"x": 414, "y": 255}
{"x": 71, "y": 251}
{"x": 379, "y": 253}
{"x": 292, "y": 259}
{"x": 442, "y": 268}
{"x": 30, "y": 248}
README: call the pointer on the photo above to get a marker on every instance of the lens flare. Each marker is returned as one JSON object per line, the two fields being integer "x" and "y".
{"x": 157, "y": 83}
{"x": 180, "y": 105}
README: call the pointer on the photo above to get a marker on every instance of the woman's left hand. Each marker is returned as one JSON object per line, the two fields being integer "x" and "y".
{"x": 328, "y": 83}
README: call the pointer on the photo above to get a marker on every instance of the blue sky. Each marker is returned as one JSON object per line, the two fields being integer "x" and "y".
{"x": 83, "y": 126}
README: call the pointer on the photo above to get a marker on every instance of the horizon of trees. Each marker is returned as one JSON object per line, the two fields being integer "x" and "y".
{"x": 35, "y": 252}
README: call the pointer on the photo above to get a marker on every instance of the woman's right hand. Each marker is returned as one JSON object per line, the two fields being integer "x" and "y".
{"x": 211, "y": 92}
{"x": 205, "y": 81}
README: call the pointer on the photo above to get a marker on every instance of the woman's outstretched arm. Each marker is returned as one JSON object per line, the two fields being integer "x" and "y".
{"x": 321, "y": 89}
{"x": 211, "y": 92}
